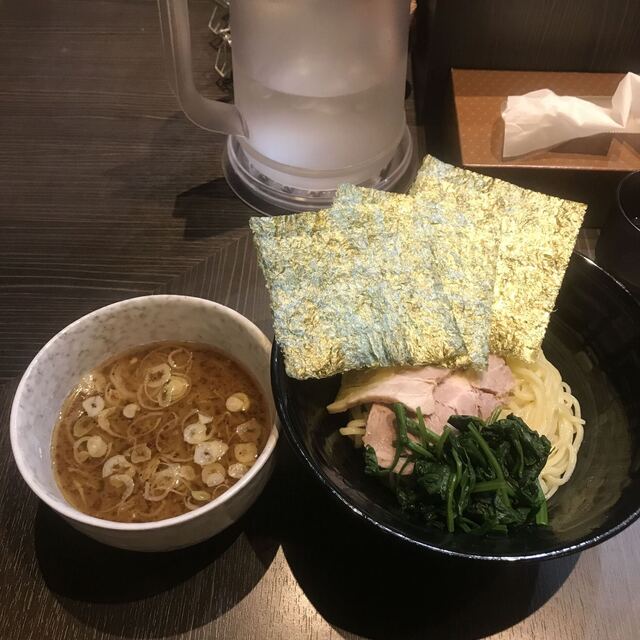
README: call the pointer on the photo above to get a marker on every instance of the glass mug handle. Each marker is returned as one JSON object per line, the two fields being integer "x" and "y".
{"x": 209, "y": 114}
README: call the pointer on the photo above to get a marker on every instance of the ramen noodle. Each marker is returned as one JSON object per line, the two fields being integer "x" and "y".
{"x": 544, "y": 401}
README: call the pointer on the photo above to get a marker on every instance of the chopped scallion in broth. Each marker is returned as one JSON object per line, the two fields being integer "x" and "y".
{"x": 158, "y": 431}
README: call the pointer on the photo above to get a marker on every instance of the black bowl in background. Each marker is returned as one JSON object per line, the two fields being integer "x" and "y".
{"x": 594, "y": 340}
{"x": 618, "y": 247}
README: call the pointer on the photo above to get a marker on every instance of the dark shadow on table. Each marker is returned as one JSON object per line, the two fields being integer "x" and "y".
{"x": 151, "y": 595}
{"x": 178, "y": 151}
{"x": 205, "y": 210}
{"x": 368, "y": 584}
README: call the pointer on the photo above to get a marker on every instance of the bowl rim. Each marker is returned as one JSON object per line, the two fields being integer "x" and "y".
{"x": 286, "y": 419}
{"x": 63, "y": 507}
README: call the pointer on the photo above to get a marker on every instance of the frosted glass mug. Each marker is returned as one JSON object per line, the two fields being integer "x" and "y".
{"x": 318, "y": 85}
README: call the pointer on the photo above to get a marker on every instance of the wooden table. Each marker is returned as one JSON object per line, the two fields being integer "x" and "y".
{"x": 108, "y": 193}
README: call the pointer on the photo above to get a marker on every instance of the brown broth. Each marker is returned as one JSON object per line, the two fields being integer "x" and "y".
{"x": 128, "y": 379}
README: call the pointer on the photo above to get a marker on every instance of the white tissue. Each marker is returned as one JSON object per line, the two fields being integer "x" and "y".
{"x": 541, "y": 119}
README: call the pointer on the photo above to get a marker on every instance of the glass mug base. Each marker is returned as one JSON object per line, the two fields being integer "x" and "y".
{"x": 273, "y": 189}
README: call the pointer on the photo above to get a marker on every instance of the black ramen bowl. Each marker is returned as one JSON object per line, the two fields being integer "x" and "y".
{"x": 594, "y": 340}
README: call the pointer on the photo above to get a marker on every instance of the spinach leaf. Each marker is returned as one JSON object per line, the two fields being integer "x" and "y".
{"x": 479, "y": 477}
{"x": 371, "y": 466}
{"x": 432, "y": 477}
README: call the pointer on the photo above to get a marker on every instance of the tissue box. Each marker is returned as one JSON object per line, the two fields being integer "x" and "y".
{"x": 479, "y": 96}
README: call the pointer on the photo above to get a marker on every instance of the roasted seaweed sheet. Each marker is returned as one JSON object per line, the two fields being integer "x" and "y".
{"x": 535, "y": 234}
{"x": 465, "y": 266}
{"x": 354, "y": 287}
{"x": 464, "y": 230}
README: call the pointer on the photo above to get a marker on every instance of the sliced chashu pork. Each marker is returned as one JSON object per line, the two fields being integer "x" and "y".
{"x": 438, "y": 392}
{"x": 380, "y": 434}
{"x": 411, "y": 386}
{"x": 459, "y": 393}
{"x": 496, "y": 379}
{"x": 457, "y": 396}
{"x": 471, "y": 393}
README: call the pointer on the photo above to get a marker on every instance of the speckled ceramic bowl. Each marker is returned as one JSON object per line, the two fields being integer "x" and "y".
{"x": 100, "y": 335}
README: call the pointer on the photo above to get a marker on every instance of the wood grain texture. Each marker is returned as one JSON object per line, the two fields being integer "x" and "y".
{"x": 108, "y": 193}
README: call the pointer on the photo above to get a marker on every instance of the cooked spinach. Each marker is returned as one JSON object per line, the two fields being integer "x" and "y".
{"x": 477, "y": 477}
